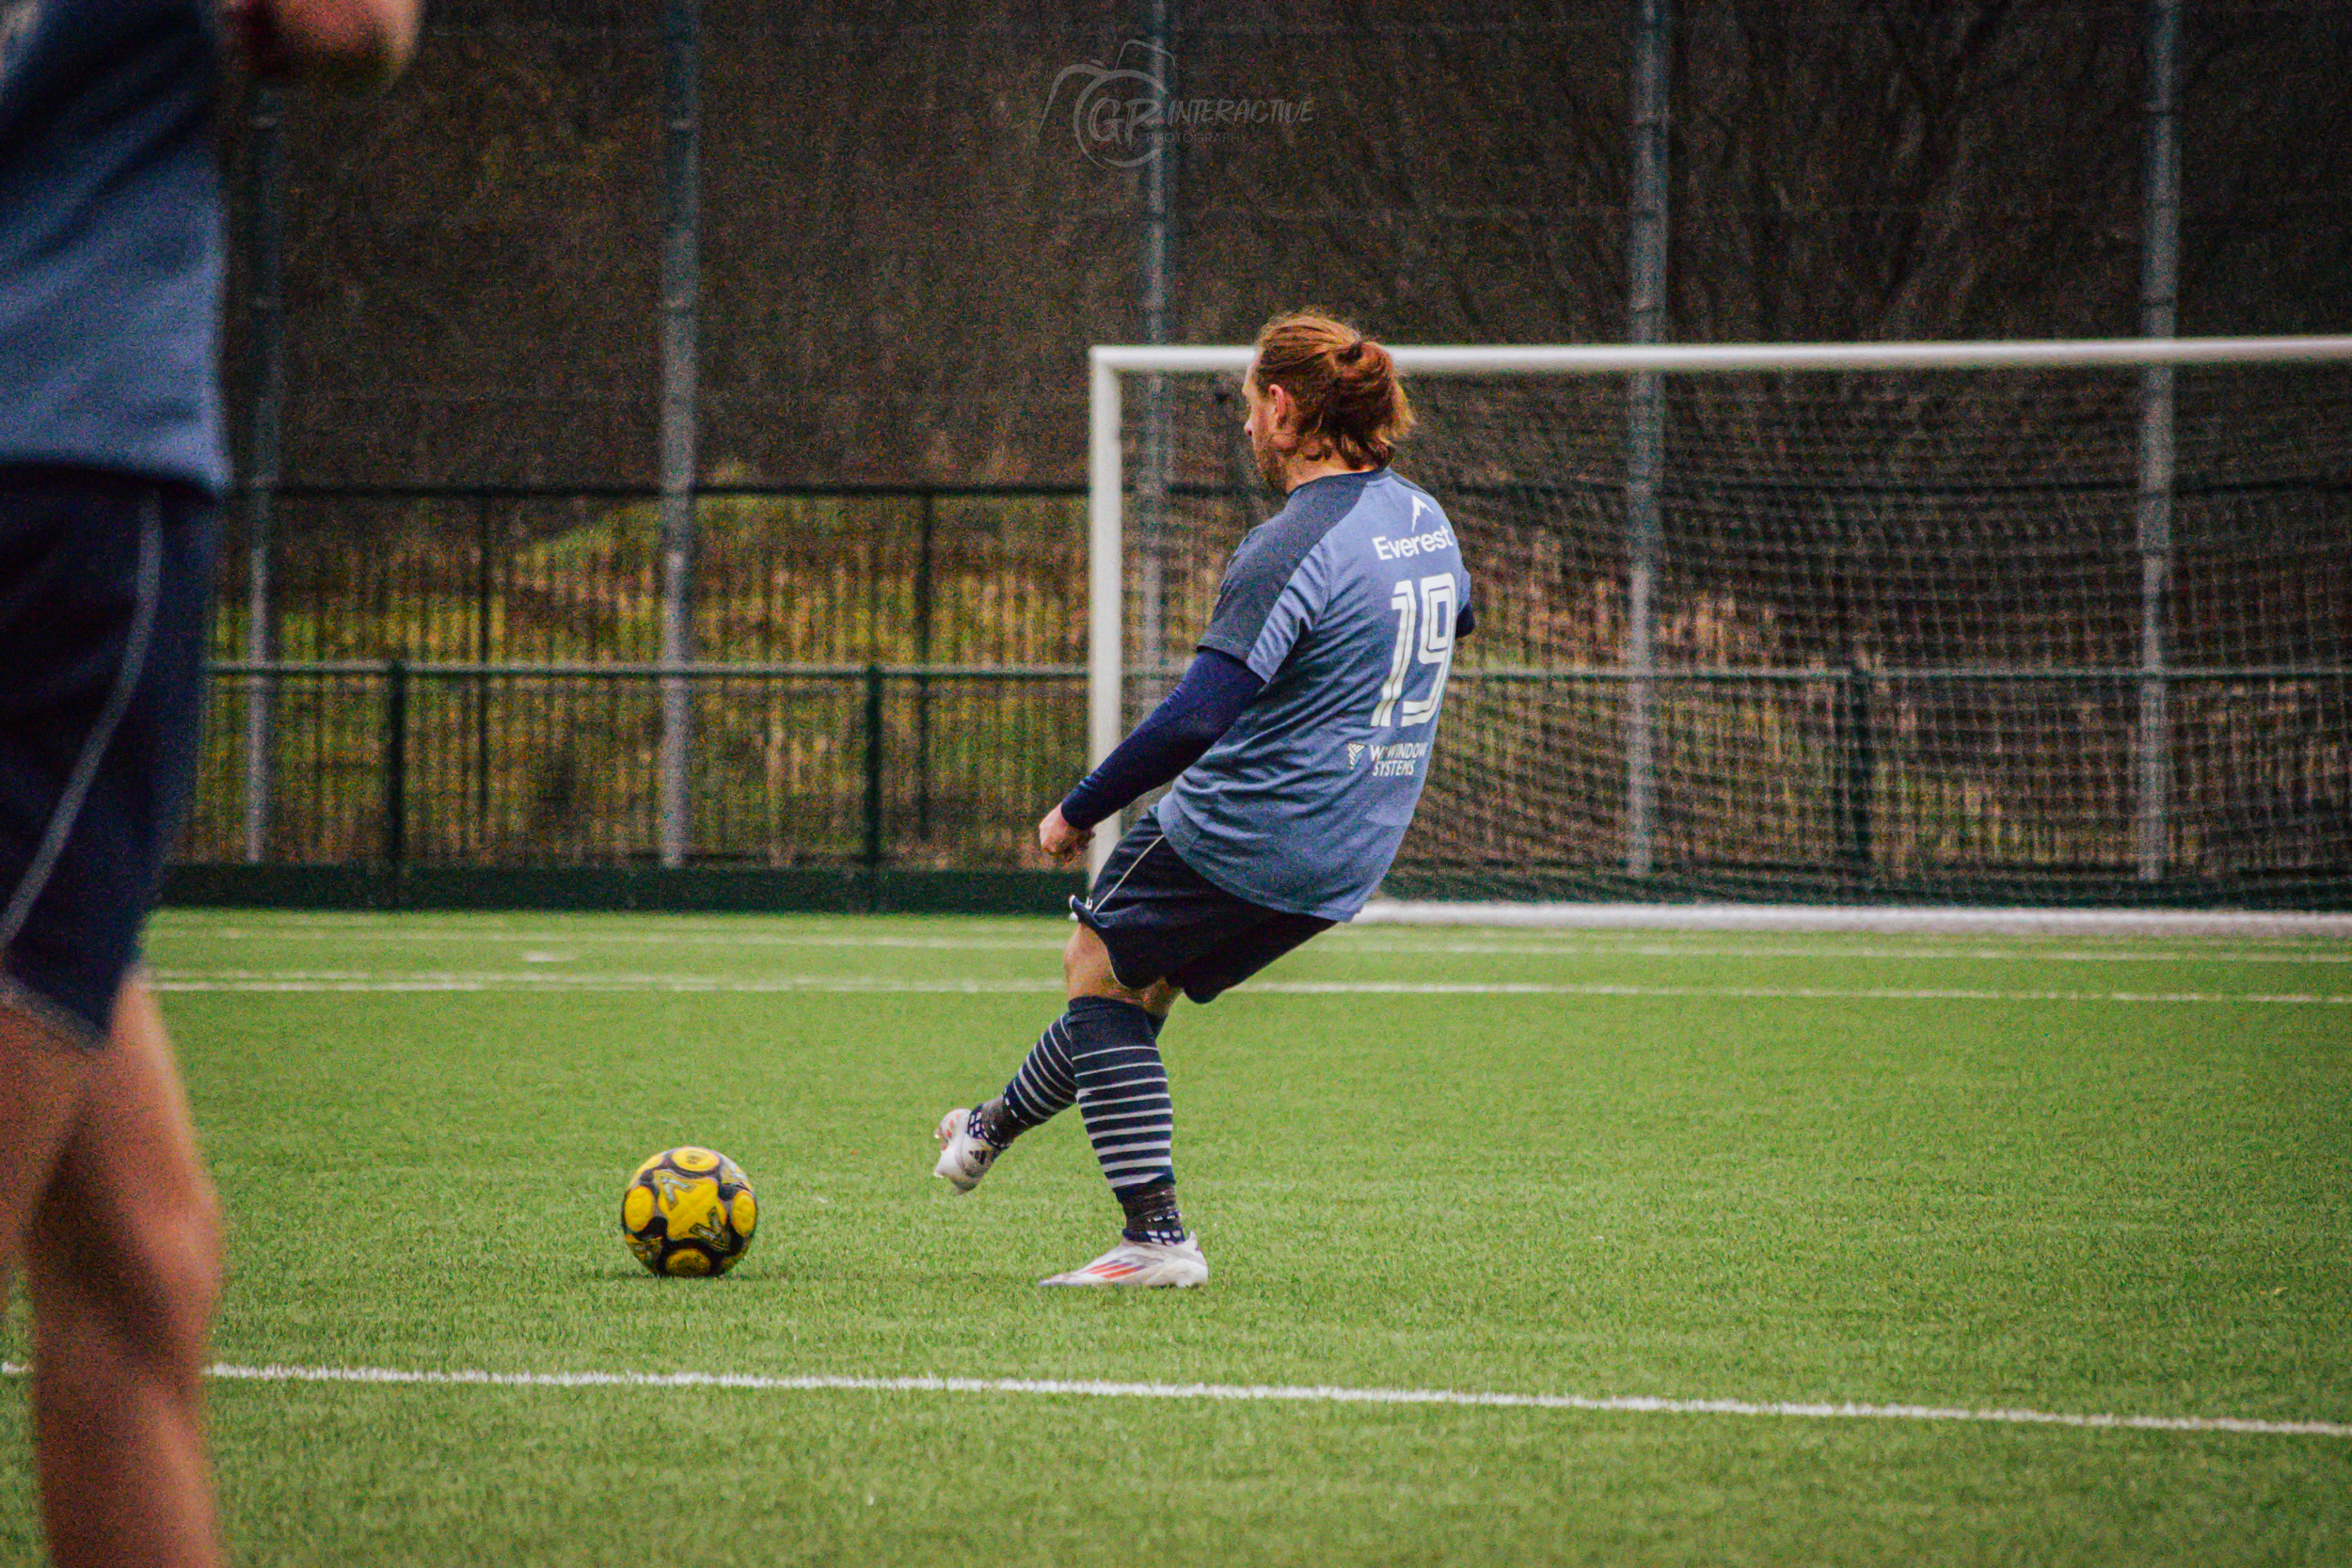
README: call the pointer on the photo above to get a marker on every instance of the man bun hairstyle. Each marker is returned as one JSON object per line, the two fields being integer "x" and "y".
{"x": 1345, "y": 385}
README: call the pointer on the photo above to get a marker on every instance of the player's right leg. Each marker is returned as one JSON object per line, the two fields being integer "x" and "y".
{"x": 42, "y": 1069}
{"x": 1065, "y": 1067}
{"x": 123, "y": 1270}
{"x": 1048, "y": 1081}
{"x": 109, "y": 1217}
{"x": 1163, "y": 919}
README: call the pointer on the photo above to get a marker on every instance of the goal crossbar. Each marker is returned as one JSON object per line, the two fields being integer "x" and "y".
{"x": 1673, "y": 359}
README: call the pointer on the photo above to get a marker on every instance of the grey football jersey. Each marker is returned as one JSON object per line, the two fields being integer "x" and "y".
{"x": 1345, "y": 604}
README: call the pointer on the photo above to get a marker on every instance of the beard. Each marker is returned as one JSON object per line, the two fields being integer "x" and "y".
{"x": 1269, "y": 466}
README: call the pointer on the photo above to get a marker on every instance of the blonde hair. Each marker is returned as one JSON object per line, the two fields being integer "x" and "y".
{"x": 1344, "y": 384}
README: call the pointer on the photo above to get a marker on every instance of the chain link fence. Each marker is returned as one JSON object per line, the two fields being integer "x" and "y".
{"x": 454, "y": 602}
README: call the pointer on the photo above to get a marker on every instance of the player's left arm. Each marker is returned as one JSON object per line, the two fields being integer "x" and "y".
{"x": 1272, "y": 592}
{"x": 1178, "y": 733}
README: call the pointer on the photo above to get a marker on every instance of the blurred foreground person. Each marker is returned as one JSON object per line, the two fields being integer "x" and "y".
{"x": 111, "y": 469}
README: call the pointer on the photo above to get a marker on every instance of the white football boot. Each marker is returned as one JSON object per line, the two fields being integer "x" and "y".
{"x": 1143, "y": 1264}
{"x": 963, "y": 1158}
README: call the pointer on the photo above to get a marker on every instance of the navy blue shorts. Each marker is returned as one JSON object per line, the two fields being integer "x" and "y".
{"x": 104, "y": 586}
{"x": 1162, "y": 920}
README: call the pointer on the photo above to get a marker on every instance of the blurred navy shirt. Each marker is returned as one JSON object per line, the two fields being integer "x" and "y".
{"x": 110, "y": 238}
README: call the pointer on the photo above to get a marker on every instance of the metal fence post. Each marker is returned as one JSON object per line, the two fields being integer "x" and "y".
{"x": 680, "y": 272}
{"x": 873, "y": 856}
{"x": 924, "y": 609}
{"x": 1645, "y": 418}
{"x": 480, "y": 835}
{"x": 2159, "y": 290}
{"x": 1861, "y": 767}
{"x": 267, "y": 177}
{"x": 395, "y": 764}
{"x": 1155, "y": 467}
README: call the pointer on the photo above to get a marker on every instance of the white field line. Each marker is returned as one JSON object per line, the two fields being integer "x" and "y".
{"x": 1860, "y": 917}
{"x": 1906, "y": 955}
{"x": 1277, "y": 1393}
{"x": 1388, "y": 941}
{"x": 591, "y": 936}
{"x": 556, "y": 983}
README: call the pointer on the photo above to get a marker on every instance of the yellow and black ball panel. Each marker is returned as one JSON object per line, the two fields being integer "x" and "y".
{"x": 687, "y": 1261}
{"x": 688, "y": 1210}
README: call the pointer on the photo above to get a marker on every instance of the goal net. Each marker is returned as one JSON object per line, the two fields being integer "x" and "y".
{"x": 2018, "y": 623}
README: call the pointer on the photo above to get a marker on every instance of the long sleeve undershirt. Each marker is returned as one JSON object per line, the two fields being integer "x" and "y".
{"x": 1179, "y": 732}
{"x": 1187, "y": 723}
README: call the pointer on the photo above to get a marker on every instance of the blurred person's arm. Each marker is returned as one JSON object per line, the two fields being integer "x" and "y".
{"x": 362, "y": 44}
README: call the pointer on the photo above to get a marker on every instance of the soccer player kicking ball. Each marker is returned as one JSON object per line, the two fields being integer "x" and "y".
{"x": 1298, "y": 740}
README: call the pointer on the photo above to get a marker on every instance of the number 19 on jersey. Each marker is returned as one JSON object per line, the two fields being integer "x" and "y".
{"x": 1425, "y": 635}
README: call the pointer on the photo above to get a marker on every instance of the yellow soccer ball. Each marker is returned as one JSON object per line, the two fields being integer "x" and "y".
{"x": 689, "y": 1211}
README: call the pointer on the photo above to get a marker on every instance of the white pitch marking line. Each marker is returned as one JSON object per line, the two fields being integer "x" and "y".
{"x": 1826, "y": 993}
{"x": 1281, "y": 1393}
{"x": 2171, "y": 924}
{"x": 1859, "y": 917}
{"x": 559, "y": 984}
{"x": 1382, "y": 942}
{"x": 2193, "y": 947}
{"x": 1909, "y": 954}
{"x": 330, "y": 982}
{"x": 591, "y": 936}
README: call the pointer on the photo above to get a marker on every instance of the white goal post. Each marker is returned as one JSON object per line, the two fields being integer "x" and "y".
{"x": 2153, "y": 357}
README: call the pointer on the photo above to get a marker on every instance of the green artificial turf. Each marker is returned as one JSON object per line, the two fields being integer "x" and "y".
{"x": 1761, "y": 1185}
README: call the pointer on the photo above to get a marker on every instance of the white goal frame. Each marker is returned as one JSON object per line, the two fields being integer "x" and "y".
{"x": 1108, "y": 362}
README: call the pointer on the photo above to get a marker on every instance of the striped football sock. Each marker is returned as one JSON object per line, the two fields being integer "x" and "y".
{"x": 1043, "y": 1088}
{"x": 1047, "y": 1084}
{"x": 1122, "y": 1090}
{"x": 1103, "y": 1057}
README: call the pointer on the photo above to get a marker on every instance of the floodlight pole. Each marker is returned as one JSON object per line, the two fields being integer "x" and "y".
{"x": 2159, "y": 292}
{"x": 680, "y": 271}
{"x": 1645, "y": 418}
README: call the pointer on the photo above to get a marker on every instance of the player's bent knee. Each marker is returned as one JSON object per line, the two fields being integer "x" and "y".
{"x": 150, "y": 1284}
{"x": 1086, "y": 971}
{"x": 183, "y": 1267}
{"x": 170, "y": 1309}
{"x": 1085, "y": 964}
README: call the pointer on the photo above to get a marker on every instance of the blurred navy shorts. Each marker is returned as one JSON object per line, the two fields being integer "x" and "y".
{"x": 104, "y": 586}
